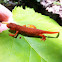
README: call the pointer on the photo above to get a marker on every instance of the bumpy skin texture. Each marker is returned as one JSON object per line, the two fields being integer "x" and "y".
{"x": 28, "y": 31}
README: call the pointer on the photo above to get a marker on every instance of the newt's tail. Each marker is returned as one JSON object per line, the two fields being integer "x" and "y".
{"x": 48, "y": 32}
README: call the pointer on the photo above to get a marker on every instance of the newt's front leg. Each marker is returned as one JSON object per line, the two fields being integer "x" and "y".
{"x": 13, "y": 34}
{"x": 30, "y": 26}
{"x": 24, "y": 25}
{"x": 43, "y": 37}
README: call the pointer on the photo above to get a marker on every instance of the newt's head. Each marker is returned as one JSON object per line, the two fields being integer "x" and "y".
{"x": 12, "y": 26}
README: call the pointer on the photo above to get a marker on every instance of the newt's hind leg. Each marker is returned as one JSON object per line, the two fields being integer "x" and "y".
{"x": 43, "y": 37}
{"x": 13, "y": 34}
{"x": 31, "y": 26}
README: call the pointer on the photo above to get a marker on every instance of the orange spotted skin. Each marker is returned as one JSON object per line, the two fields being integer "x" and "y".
{"x": 29, "y": 31}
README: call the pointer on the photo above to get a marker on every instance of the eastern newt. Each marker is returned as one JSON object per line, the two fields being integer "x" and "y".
{"x": 28, "y": 30}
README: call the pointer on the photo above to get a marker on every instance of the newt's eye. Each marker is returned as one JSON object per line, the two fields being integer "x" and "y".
{"x": 10, "y": 27}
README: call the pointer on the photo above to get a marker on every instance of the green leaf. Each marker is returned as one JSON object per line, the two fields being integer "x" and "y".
{"x": 29, "y": 49}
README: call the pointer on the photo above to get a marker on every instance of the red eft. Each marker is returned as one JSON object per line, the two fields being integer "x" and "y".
{"x": 28, "y": 30}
